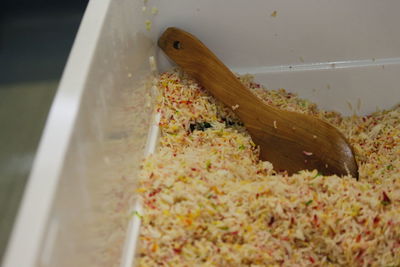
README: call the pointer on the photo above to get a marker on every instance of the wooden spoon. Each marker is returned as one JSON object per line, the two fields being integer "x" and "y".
{"x": 290, "y": 141}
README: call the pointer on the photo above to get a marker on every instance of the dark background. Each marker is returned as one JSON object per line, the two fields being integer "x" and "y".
{"x": 35, "y": 39}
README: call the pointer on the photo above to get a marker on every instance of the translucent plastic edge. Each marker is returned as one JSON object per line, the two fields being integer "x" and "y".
{"x": 318, "y": 66}
{"x": 133, "y": 231}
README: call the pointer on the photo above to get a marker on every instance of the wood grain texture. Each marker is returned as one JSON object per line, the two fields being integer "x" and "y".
{"x": 291, "y": 141}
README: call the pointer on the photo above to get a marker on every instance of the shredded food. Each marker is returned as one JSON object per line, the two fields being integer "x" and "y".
{"x": 210, "y": 201}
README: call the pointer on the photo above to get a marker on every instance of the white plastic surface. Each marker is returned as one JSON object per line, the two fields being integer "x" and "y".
{"x": 337, "y": 53}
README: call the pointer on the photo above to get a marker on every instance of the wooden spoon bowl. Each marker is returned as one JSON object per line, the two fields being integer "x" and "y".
{"x": 290, "y": 141}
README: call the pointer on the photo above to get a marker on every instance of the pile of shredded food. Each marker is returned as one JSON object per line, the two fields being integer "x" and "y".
{"x": 210, "y": 201}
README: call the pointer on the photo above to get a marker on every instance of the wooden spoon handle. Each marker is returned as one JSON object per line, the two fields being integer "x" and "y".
{"x": 206, "y": 68}
{"x": 291, "y": 141}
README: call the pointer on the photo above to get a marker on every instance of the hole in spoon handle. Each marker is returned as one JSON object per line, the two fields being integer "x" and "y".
{"x": 177, "y": 45}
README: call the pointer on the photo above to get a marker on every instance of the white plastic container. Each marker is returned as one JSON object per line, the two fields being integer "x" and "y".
{"x": 344, "y": 55}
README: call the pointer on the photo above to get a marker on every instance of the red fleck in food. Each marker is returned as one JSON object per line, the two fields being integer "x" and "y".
{"x": 311, "y": 259}
{"x": 385, "y": 198}
{"x": 178, "y": 250}
{"x": 271, "y": 221}
{"x": 315, "y": 220}
{"x": 376, "y": 220}
{"x": 360, "y": 253}
{"x": 150, "y": 204}
{"x": 154, "y": 192}
{"x": 358, "y": 238}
